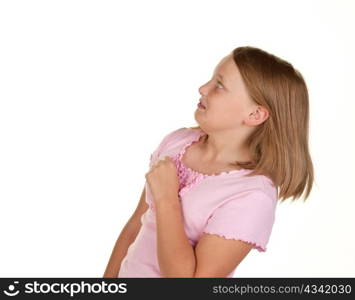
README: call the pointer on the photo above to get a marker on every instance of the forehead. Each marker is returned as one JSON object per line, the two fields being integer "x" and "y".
{"x": 228, "y": 69}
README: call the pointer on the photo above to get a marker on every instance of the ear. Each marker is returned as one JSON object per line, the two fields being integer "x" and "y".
{"x": 257, "y": 116}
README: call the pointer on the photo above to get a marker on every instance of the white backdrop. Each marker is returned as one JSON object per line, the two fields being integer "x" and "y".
{"x": 89, "y": 88}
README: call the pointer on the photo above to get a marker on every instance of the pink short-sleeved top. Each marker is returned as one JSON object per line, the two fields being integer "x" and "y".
{"x": 226, "y": 204}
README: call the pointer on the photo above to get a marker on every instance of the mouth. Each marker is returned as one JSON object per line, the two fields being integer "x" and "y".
{"x": 201, "y": 105}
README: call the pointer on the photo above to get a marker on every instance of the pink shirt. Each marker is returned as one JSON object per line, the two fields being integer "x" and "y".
{"x": 226, "y": 204}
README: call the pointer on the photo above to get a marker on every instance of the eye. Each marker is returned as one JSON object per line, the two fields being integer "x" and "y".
{"x": 218, "y": 82}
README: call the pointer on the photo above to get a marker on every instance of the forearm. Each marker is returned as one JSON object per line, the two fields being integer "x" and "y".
{"x": 125, "y": 239}
{"x": 176, "y": 256}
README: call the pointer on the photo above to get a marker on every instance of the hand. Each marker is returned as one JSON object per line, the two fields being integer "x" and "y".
{"x": 163, "y": 180}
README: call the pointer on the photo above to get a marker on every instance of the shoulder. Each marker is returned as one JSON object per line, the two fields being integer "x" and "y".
{"x": 258, "y": 186}
{"x": 241, "y": 191}
{"x": 183, "y": 131}
{"x": 180, "y": 134}
{"x": 173, "y": 139}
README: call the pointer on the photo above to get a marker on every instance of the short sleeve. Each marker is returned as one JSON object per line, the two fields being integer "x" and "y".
{"x": 156, "y": 153}
{"x": 249, "y": 218}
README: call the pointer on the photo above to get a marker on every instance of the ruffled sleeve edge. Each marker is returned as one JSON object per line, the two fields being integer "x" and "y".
{"x": 256, "y": 245}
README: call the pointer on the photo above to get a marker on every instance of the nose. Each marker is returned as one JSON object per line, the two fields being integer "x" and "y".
{"x": 203, "y": 90}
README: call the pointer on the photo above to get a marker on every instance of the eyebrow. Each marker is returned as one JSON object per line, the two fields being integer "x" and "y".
{"x": 220, "y": 76}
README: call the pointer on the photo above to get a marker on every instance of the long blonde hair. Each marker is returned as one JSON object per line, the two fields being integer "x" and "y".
{"x": 279, "y": 146}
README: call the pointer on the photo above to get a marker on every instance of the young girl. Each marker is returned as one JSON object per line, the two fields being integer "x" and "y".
{"x": 212, "y": 190}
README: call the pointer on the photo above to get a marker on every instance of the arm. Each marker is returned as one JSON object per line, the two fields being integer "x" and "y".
{"x": 213, "y": 256}
{"x": 217, "y": 256}
{"x": 176, "y": 256}
{"x": 125, "y": 239}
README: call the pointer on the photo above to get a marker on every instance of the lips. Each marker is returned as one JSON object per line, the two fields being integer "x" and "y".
{"x": 203, "y": 104}
{"x": 200, "y": 106}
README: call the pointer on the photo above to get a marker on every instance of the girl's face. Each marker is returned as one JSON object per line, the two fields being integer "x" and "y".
{"x": 225, "y": 97}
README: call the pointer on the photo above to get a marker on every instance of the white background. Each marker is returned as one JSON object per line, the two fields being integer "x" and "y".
{"x": 89, "y": 88}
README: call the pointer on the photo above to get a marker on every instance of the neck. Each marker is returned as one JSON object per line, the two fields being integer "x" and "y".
{"x": 221, "y": 149}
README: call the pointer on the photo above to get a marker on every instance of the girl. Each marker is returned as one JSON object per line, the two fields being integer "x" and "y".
{"x": 212, "y": 190}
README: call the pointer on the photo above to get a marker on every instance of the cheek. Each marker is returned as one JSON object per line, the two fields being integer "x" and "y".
{"x": 230, "y": 107}
{"x": 224, "y": 111}
{"x": 234, "y": 113}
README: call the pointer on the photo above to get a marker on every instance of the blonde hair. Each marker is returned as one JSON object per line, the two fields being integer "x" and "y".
{"x": 278, "y": 146}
